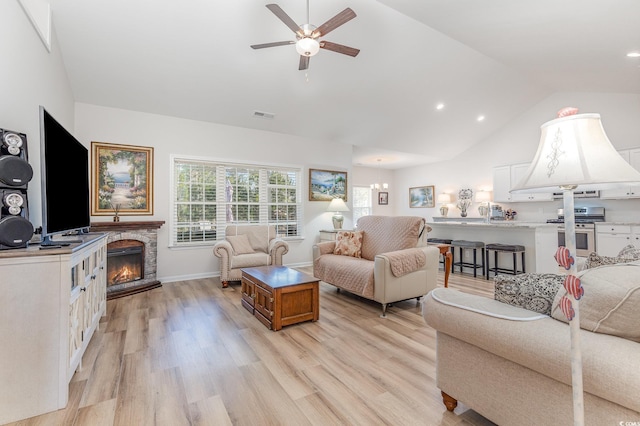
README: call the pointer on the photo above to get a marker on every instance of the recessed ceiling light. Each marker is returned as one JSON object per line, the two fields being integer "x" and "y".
{"x": 633, "y": 55}
{"x": 439, "y": 107}
{"x": 480, "y": 118}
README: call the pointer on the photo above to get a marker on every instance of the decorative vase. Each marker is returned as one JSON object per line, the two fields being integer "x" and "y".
{"x": 444, "y": 210}
{"x": 463, "y": 212}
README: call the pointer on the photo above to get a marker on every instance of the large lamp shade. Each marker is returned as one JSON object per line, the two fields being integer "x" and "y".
{"x": 575, "y": 151}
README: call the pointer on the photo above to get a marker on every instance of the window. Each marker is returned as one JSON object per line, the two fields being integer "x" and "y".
{"x": 208, "y": 196}
{"x": 362, "y": 204}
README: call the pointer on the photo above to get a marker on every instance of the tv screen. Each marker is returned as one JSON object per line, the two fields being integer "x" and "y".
{"x": 65, "y": 180}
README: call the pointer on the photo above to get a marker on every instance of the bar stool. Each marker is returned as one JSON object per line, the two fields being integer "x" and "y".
{"x": 497, "y": 248}
{"x": 463, "y": 245}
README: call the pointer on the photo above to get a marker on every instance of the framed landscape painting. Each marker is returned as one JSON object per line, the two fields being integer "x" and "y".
{"x": 421, "y": 196}
{"x": 122, "y": 179}
{"x": 325, "y": 185}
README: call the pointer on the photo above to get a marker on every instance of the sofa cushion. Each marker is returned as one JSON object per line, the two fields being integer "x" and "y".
{"x": 531, "y": 291}
{"x": 627, "y": 254}
{"x": 240, "y": 244}
{"x": 611, "y": 301}
{"x": 351, "y": 273}
{"x": 259, "y": 235}
{"x": 349, "y": 243}
{"x": 250, "y": 260}
{"x": 383, "y": 234}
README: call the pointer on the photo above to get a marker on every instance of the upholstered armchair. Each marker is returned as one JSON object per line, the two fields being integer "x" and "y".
{"x": 246, "y": 247}
{"x": 385, "y": 260}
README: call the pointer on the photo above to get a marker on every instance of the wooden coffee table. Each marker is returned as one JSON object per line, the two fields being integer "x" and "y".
{"x": 280, "y": 296}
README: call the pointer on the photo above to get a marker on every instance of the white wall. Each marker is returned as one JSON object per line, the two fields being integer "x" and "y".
{"x": 170, "y": 135}
{"x": 517, "y": 143}
{"x": 30, "y": 77}
{"x": 365, "y": 176}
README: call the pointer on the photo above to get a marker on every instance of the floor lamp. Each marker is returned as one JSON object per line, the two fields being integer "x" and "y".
{"x": 574, "y": 152}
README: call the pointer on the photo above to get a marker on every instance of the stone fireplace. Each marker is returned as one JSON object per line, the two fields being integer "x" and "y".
{"x": 131, "y": 256}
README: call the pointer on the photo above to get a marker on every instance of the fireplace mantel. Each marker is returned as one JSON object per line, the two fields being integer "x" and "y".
{"x": 125, "y": 226}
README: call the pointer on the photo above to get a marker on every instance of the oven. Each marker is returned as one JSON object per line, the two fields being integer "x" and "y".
{"x": 585, "y": 220}
{"x": 585, "y": 238}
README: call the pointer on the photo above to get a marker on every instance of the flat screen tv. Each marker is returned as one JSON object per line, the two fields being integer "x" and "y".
{"x": 64, "y": 165}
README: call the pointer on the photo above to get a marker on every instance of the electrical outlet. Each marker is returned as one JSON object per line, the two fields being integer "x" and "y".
{"x": 468, "y": 256}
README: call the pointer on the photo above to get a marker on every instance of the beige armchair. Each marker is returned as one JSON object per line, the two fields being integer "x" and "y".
{"x": 394, "y": 263}
{"x": 246, "y": 247}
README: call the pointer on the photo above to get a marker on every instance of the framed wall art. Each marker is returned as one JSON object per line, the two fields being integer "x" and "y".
{"x": 421, "y": 196}
{"x": 383, "y": 198}
{"x": 325, "y": 185}
{"x": 122, "y": 179}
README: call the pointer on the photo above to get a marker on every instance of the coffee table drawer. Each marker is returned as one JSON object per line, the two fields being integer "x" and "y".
{"x": 264, "y": 304}
{"x": 247, "y": 288}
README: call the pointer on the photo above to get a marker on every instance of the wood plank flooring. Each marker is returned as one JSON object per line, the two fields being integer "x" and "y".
{"x": 188, "y": 354}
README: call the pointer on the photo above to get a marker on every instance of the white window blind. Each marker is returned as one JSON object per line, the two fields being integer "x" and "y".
{"x": 362, "y": 204}
{"x": 208, "y": 196}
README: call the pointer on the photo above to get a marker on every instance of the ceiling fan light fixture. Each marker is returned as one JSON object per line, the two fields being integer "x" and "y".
{"x": 307, "y": 46}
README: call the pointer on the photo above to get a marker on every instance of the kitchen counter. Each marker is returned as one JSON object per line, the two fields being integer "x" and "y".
{"x": 495, "y": 224}
{"x": 618, "y": 223}
{"x": 539, "y": 239}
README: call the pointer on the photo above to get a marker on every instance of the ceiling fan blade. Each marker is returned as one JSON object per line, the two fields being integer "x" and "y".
{"x": 333, "y": 23}
{"x": 285, "y": 18}
{"x": 274, "y": 44}
{"x": 304, "y": 63}
{"x": 346, "y": 50}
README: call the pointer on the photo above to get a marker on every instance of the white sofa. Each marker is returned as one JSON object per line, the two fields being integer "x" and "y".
{"x": 386, "y": 243}
{"x": 512, "y": 365}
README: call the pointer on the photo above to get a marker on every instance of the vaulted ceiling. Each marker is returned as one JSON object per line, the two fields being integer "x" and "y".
{"x": 491, "y": 58}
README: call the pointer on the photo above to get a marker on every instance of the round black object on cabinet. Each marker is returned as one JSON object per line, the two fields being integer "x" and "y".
{"x": 15, "y": 231}
{"x": 14, "y": 171}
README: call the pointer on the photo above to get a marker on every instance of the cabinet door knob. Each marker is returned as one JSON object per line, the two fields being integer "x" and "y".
{"x": 83, "y": 289}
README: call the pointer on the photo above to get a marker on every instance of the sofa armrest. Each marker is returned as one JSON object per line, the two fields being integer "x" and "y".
{"x": 391, "y": 288}
{"x": 224, "y": 251}
{"x": 324, "y": 247}
{"x": 278, "y": 248}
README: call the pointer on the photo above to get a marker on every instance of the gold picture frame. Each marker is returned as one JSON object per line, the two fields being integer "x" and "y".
{"x": 122, "y": 179}
{"x": 325, "y": 185}
{"x": 422, "y": 196}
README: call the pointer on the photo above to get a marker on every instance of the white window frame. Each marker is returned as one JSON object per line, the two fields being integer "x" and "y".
{"x": 359, "y": 211}
{"x": 262, "y": 207}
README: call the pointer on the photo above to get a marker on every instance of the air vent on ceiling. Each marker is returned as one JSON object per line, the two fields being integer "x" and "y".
{"x": 265, "y": 115}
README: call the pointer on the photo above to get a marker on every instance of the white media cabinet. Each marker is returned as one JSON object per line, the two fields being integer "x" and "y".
{"x": 51, "y": 302}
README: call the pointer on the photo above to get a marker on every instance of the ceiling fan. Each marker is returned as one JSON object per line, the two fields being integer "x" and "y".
{"x": 307, "y": 36}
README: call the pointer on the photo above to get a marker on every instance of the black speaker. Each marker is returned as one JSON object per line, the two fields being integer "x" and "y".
{"x": 15, "y": 174}
{"x": 15, "y": 170}
{"x": 15, "y": 228}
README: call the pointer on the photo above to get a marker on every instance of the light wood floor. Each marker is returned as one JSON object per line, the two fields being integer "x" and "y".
{"x": 188, "y": 354}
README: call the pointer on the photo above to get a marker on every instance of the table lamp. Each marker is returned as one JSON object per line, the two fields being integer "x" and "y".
{"x": 337, "y": 205}
{"x": 444, "y": 199}
{"x": 574, "y": 152}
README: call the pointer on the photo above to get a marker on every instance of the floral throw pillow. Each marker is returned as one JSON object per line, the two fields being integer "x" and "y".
{"x": 349, "y": 243}
{"x": 626, "y": 255}
{"x": 531, "y": 291}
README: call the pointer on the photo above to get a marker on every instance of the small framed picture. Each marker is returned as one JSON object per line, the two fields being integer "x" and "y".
{"x": 383, "y": 198}
{"x": 421, "y": 196}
